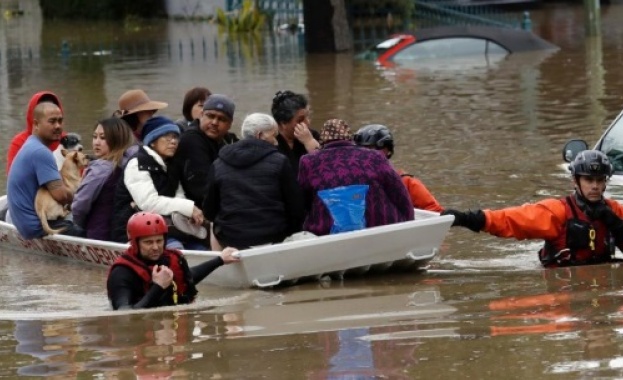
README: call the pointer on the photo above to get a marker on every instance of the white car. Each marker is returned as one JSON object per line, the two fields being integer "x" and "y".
{"x": 611, "y": 143}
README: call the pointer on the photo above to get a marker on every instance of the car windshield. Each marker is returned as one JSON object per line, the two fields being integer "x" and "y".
{"x": 449, "y": 48}
{"x": 612, "y": 144}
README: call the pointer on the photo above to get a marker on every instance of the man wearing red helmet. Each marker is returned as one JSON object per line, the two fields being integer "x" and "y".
{"x": 148, "y": 275}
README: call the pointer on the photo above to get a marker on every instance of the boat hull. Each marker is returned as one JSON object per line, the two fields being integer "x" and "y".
{"x": 402, "y": 246}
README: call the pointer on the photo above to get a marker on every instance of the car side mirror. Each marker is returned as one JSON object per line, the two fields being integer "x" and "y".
{"x": 572, "y": 148}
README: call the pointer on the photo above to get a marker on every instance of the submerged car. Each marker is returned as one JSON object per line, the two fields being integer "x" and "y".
{"x": 611, "y": 143}
{"x": 452, "y": 42}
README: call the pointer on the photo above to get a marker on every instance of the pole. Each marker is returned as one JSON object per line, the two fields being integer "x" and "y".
{"x": 593, "y": 18}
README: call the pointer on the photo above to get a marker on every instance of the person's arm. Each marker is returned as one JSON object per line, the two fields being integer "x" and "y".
{"x": 122, "y": 284}
{"x": 542, "y": 220}
{"x": 47, "y": 175}
{"x": 194, "y": 160}
{"x": 146, "y": 197}
{"x": 304, "y": 135}
{"x": 394, "y": 188}
{"x": 212, "y": 201}
{"x": 420, "y": 196}
{"x": 201, "y": 271}
{"x": 59, "y": 192}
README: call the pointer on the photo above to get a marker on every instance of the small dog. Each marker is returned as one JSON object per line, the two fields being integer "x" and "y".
{"x": 69, "y": 142}
{"x": 49, "y": 209}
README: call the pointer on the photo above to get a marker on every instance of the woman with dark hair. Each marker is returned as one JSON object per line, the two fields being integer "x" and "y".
{"x": 192, "y": 108}
{"x": 296, "y": 138}
{"x": 135, "y": 107}
{"x": 91, "y": 207}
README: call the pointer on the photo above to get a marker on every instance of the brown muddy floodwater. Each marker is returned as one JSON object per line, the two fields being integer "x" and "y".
{"x": 488, "y": 135}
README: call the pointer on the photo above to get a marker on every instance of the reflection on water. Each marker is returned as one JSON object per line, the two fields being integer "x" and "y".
{"x": 480, "y": 137}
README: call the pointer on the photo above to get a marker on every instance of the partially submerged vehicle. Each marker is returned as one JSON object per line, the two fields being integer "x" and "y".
{"x": 610, "y": 143}
{"x": 454, "y": 43}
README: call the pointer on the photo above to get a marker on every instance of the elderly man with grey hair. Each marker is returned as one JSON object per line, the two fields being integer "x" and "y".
{"x": 253, "y": 197}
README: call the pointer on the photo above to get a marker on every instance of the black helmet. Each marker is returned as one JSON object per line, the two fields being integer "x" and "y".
{"x": 375, "y": 135}
{"x": 591, "y": 162}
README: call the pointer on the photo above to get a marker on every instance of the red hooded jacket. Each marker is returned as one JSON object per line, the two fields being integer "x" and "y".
{"x": 20, "y": 138}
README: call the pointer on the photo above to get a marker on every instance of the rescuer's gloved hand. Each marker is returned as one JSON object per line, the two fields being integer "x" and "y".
{"x": 474, "y": 220}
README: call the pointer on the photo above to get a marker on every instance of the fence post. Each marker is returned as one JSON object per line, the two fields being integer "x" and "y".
{"x": 526, "y": 23}
{"x": 593, "y": 17}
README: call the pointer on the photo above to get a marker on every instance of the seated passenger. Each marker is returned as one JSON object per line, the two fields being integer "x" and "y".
{"x": 34, "y": 167}
{"x": 135, "y": 108}
{"x": 296, "y": 138}
{"x": 192, "y": 107}
{"x": 342, "y": 165}
{"x": 377, "y": 136}
{"x": 150, "y": 184}
{"x": 91, "y": 207}
{"x": 199, "y": 147}
{"x": 252, "y": 197}
{"x": 149, "y": 275}
{"x": 18, "y": 140}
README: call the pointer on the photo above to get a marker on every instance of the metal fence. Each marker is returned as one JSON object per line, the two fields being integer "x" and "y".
{"x": 280, "y": 12}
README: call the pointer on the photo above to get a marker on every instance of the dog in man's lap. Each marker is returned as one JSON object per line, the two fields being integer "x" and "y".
{"x": 46, "y": 206}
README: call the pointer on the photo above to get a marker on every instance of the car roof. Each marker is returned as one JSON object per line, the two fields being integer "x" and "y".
{"x": 514, "y": 40}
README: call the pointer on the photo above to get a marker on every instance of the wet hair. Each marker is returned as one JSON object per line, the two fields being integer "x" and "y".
{"x": 255, "y": 123}
{"x": 118, "y": 136}
{"x": 194, "y": 95}
{"x": 286, "y": 104}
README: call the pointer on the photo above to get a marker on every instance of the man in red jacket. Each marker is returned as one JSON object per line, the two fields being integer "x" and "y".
{"x": 582, "y": 228}
{"x": 19, "y": 139}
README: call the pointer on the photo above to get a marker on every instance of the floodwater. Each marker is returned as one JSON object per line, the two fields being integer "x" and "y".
{"x": 479, "y": 134}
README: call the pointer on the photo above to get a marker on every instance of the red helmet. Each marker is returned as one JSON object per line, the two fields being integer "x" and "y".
{"x": 146, "y": 224}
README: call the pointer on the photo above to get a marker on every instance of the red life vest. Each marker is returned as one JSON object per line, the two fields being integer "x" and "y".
{"x": 184, "y": 290}
{"x": 582, "y": 241}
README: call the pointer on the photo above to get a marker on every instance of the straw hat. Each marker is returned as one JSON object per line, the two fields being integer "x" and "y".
{"x": 137, "y": 100}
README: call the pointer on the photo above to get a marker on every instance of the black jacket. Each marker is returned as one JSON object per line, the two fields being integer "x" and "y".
{"x": 253, "y": 197}
{"x": 126, "y": 289}
{"x": 193, "y": 158}
{"x": 165, "y": 182}
{"x": 295, "y": 153}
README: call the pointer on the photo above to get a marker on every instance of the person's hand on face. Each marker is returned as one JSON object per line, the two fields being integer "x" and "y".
{"x": 302, "y": 133}
{"x": 162, "y": 275}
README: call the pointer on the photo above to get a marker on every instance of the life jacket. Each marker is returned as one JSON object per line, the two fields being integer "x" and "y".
{"x": 582, "y": 241}
{"x": 182, "y": 291}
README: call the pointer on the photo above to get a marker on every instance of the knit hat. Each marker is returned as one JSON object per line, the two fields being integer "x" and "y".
{"x": 218, "y": 102}
{"x": 335, "y": 129}
{"x": 134, "y": 101}
{"x": 158, "y": 126}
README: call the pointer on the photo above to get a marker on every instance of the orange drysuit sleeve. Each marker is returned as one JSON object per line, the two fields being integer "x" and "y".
{"x": 541, "y": 220}
{"x": 420, "y": 196}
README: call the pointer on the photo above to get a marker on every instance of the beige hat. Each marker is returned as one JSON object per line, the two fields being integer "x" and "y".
{"x": 135, "y": 101}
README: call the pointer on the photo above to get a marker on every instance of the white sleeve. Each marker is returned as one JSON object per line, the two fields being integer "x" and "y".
{"x": 145, "y": 195}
